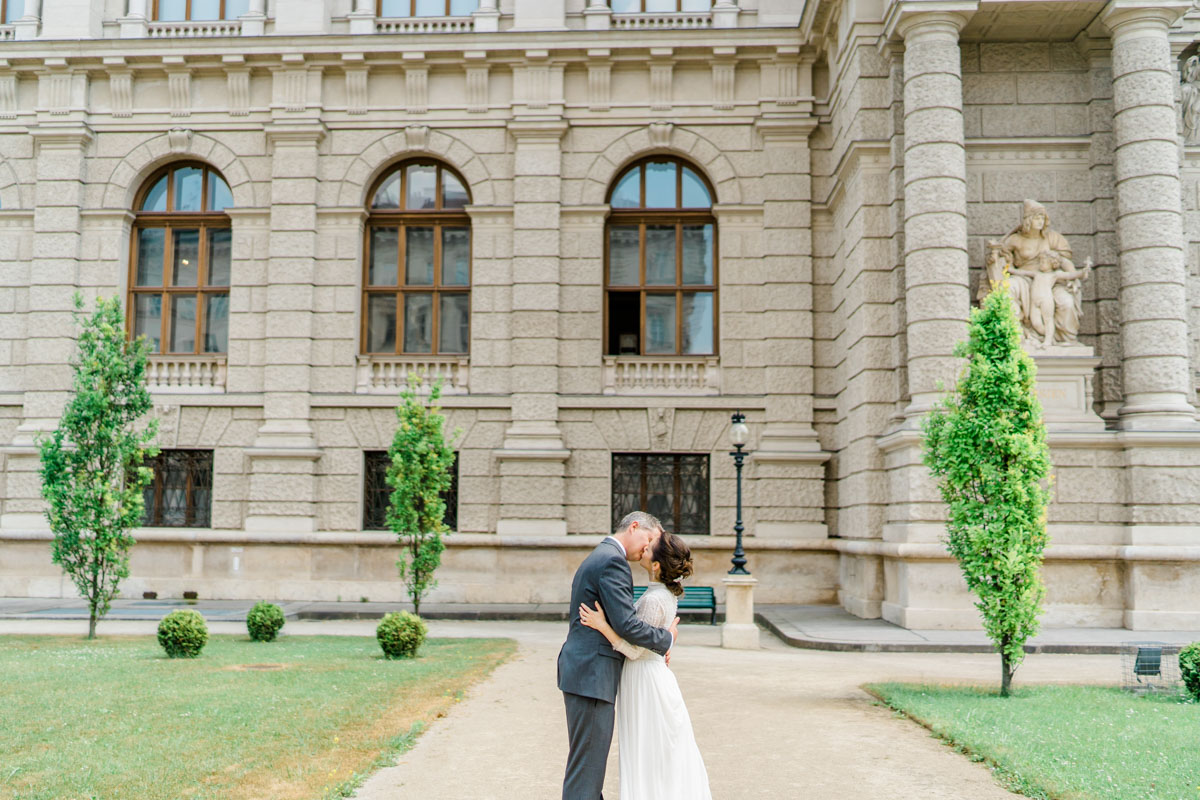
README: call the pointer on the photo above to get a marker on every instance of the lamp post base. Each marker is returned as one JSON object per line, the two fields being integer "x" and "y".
{"x": 739, "y": 631}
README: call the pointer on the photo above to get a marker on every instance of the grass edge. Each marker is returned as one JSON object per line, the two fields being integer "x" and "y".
{"x": 1009, "y": 779}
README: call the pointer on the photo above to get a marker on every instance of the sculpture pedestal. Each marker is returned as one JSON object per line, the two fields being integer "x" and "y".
{"x": 1064, "y": 385}
{"x": 739, "y": 631}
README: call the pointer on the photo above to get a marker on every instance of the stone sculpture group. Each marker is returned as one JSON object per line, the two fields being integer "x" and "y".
{"x": 1036, "y": 262}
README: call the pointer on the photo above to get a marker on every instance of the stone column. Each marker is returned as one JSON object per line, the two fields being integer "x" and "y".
{"x": 133, "y": 24}
{"x": 282, "y": 484}
{"x": 362, "y": 18}
{"x": 487, "y": 16}
{"x": 531, "y": 460}
{"x": 936, "y": 304}
{"x": 254, "y": 21}
{"x": 1154, "y": 333}
{"x": 50, "y": 333}
{"x": 937, "y": 297}
{"x": 597, "y": 16}
{"x": 27, "y": 26}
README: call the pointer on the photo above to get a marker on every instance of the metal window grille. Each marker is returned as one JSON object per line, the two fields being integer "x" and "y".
{"x": 377, "y": 494}
{"x": 672, "y": 487}
{"x": 180, "y": 496}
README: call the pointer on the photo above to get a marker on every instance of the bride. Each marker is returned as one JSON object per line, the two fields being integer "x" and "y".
{"x": 659, "y": 757}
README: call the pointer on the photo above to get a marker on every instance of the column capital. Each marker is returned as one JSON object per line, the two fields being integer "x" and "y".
{"x": 905, "y": 16}
{"x": 1121, "y": 16}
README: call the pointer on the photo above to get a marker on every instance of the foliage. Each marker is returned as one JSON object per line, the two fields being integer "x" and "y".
{"x": 92, "y": 473}
{"x": 986, "y": 444}
{"x": 1189, "y": 669}
{"x": 1079, "y": 742}
{"x": 183, "y": 633}
{"x": 401, "y": 634}
{"x": 210, "y": 729}
{"x": 419, "y": 474}
{"x": 264, "y": 621}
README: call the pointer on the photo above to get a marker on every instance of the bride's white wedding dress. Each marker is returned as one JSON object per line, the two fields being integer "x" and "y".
{"x": 658, "y": 754}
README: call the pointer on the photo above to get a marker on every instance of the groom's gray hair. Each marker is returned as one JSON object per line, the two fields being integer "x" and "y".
{"x": 643, "y": 520}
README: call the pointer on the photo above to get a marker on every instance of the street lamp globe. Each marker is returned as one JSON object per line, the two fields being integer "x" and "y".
{"x": 739, "y": 434}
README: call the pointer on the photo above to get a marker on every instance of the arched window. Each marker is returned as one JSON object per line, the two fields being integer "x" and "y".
{"x": 199, "y": 10}
{"x": 417, "y": 265}
{"x": 180, "y": 265}
{"x": 661, "y": 261}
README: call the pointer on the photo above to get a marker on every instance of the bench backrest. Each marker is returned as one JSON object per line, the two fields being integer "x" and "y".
{"x": 693, "y": 596}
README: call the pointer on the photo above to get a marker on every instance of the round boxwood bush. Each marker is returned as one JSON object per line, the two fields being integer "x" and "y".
{"x": 400, "y": 634}
{"x": 182, "y": 633}
{"x": 1189, "y": 669}
{"x": 264, "y": 621}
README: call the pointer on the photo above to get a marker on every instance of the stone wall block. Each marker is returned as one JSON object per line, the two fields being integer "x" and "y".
{"x": 1146, "y": 123}
{"x": 1140, "y": 54}
{"x": 1140, "y": 156}
{"x": 930, "y": 336}
{"x": 1052, "y": 87}
{"x": 1017, "y": 120}
{"x": 989, "y": 88}
{"x": 1014, "y": 56}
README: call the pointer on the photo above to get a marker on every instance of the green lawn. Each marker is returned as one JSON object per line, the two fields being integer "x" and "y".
{"x": 114, "y": 718}
{"x": 1066, "y": 742}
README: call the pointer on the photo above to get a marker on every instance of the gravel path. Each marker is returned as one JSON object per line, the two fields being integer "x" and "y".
{"x": 777, "y": 723}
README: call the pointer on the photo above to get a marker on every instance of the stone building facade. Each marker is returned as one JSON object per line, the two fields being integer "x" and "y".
{"x": 605, "y": 226}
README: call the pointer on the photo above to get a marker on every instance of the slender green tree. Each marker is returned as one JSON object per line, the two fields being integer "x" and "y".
{"x": 92, "y": 472}
{"x": 419, "y": 474}
{"x": 986, "y": 445}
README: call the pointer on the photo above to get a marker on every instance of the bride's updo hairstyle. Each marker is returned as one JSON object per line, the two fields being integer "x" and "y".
{"x": 674, "y": 562}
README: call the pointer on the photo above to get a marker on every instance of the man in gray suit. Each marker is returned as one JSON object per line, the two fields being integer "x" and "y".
{"x": 589, "y": 670}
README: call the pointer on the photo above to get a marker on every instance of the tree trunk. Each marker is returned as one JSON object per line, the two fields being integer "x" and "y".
{"x": 92, "y": 623}
{"x": 1006, "y": 673}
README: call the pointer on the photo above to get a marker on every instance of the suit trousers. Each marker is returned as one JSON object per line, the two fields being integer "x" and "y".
{"x": 589, "y": 733}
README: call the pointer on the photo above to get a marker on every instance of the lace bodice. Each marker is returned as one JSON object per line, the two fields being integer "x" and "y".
{"x": 656, "y": 607}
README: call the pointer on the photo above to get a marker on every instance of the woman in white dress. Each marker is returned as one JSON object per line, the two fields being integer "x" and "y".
{"x": 658, "y": 754}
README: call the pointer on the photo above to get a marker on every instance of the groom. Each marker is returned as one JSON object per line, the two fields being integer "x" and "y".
{"x": 589, "y": 670}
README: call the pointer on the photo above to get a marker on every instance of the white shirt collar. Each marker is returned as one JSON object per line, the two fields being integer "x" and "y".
{"x": 618, "y": 541}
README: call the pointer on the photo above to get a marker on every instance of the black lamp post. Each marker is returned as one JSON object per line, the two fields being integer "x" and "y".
{"x": 738, "y": 434}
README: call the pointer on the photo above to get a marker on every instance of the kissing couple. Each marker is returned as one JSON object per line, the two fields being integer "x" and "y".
{"x": 614, "y": 664}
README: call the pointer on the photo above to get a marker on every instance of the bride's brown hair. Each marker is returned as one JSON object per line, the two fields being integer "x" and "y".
{"x": 674, "y": 562}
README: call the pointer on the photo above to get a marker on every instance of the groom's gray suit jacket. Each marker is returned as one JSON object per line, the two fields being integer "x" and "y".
{"x": 587, "y": 664}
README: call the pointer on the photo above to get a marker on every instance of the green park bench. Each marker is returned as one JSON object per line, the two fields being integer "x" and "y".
{"x": 695, "y": 598}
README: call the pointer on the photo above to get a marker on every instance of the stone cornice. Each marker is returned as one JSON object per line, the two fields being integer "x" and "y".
{"x": 16, "y": 218}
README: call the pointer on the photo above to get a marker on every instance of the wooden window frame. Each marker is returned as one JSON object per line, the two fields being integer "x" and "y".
{"x": 678, "y": 9}
{"x": 679, "y": 217}
{"x": 187, "y": 14}
{"x": 401, "y": 219}
{"x": 169, "y": 220}
{"x": 412, "y": 10}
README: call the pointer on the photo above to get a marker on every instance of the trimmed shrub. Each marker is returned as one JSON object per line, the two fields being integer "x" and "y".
{"x": 182, "y": 633}
{"x": 264, "y": 621}
{"x": 400, "y": 634}
{"x": 1189, "y": 669}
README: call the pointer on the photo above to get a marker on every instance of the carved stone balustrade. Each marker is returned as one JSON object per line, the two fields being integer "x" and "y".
{"x": 691, "y": 375}
{"x": 664, "y": 21}
{"x": 425, "y": 25}
{"x": 194, "y": 30}
{"x": 168, "y": 374}
{"x": 389, "y": 374}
